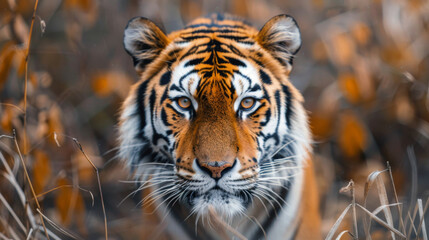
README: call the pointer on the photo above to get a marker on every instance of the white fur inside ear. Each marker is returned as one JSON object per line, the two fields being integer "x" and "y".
{"x": 285, "y": 30}
{"x": 131, "y": 36}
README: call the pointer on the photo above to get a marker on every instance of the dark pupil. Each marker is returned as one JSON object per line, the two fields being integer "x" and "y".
{"x": 247, "y": 102}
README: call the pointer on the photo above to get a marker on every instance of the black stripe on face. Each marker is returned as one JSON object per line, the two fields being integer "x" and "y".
{"x": 194, "y": 62}
{"x": 236, "y": 62}
{"x": 191, "y": 51}
{"x": 141, "y": 93}
{"x": 279, "y": 105}
{"x": 186, "y": 75}
{"x": 164, "y": 118}
{"x": 255, "y": 88}
{"x": 175, "y": 111}
{"x": 264, "y": 76}
{"x": 289, "y": 110}
{"x": 165, "y": 78}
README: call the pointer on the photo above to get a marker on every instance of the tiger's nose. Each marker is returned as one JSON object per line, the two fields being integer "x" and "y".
{"x": 216, "y": 169}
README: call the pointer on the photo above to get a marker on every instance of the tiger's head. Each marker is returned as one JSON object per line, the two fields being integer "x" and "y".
{"x": 213, "y": 121}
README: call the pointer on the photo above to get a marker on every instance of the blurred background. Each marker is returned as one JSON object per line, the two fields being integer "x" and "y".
{"x": 363, "y": 69}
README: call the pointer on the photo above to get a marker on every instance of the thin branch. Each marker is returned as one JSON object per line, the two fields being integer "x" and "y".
{"x": 99, "y": 184}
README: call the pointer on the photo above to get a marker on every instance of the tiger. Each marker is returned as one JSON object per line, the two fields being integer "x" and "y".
{"x": 214, "y": 132}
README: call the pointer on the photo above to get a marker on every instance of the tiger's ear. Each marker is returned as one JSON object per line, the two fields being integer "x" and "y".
{"x": 281, "y": 37}
{"x": 144, "y": 41}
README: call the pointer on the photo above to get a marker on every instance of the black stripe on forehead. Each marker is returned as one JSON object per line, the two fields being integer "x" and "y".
{"x": 214, "y": 25}
{"x": 165, "y": 78}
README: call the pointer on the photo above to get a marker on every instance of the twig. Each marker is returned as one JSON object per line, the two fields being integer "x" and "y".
{"x": 383, "y": 223}
{"x": 27, "y": 58}
{"x": 67, "y": 185}
{"x": 29, "y": 181}
{"x": 56, "y": 226}
{"x": 99, "y": 185}
{"x": 13, "y": 106}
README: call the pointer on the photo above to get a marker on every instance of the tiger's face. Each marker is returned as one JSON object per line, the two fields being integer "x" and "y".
{"x": 214, "y": 121}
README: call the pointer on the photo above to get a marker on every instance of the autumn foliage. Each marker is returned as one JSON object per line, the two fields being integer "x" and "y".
{"x": 363, "y": 70}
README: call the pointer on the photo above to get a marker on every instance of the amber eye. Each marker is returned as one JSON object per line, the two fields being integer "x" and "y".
{"x": 184, "y": 102}
{"x": 247, "y": 103}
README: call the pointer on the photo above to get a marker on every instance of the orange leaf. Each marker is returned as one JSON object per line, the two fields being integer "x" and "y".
{"x": 107, "y": 83}
{"x": 318, "y": 50}
{"x": 6, "y": 57}
{"x": 20, "y": 61}
{"x": 41, "y": 171}
{"x": 7, "y": 115}
{"x": 343, "y": 49}
{"x": 321, "y": 125}
{"x": 352, "y": 135}
{"x": 361, "y": 33}
{"x": 101, "y": 86}
{"x": 349, "y": 87}
{"x": 69, "y": 202}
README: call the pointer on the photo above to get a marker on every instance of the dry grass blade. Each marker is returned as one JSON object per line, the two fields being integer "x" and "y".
{"x": 413, "y": 164}
{"x": 10, "y": 177}
{"x": 29, "y": 181}
{"x": 401, "y": 221}
{"x": 13, "y": 106}
{"x": 60, "y": 229}
{"x": 56, "y": 139}
{"x": 9, "y": 229}
{"x": 344, "y": 232}
{"x": 369, "y": 181}
{"x": 383, "y": 223}
{"x": 382, "y": 194}
{"x": 337, "y": 223}
{"x": 2, "y": 236}
{"x": 422, "y": 224}
{"x": 378, "y": 210}
{"x": 55, "y": 237}
{"x": 5, "y": 136}
{"x": 412, "y": 227}
{"x": 222, "y": 223}
{"x": 99, "y": 185}
{"x": 351, "y": 188}
{"x": 12, "y": 213}
{"x": 372, "y": 177}
{"x": 29, "y": 234}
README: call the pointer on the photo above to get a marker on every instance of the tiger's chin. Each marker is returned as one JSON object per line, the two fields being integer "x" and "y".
{"x": 219, "y": 202}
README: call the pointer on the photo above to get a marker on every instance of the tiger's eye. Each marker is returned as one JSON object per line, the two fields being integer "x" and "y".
{"x": 184, "y": 102}
{"x": 247, "y": 103}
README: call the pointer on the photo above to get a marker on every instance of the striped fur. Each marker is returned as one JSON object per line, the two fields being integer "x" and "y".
{"x": 189, "y": 136}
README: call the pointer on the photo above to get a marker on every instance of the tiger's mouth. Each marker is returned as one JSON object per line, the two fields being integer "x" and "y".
{"x": 225, "y": 204}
